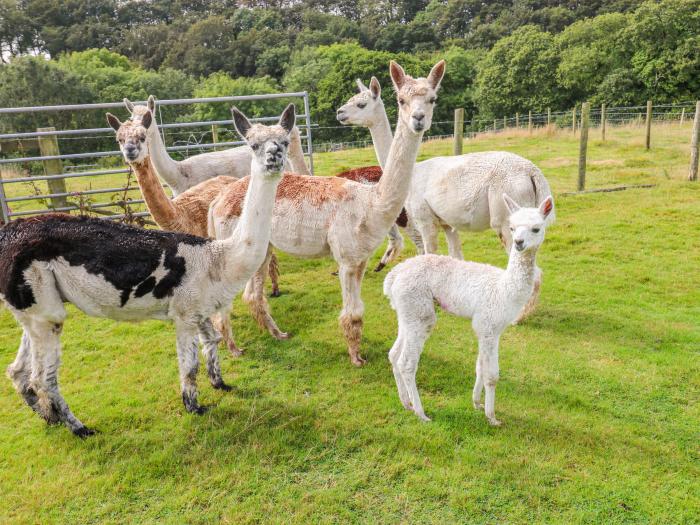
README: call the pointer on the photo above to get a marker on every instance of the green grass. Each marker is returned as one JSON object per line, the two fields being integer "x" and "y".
{"x": 599, "y": 390}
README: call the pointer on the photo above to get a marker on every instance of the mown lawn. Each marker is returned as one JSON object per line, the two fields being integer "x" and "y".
{"x": 599, "y": 390}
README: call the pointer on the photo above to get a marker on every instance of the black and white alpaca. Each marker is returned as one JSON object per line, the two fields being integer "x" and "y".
{"x": 130, "y": 274}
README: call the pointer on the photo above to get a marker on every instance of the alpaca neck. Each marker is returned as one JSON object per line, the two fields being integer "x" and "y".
{"x": 249, "y": 242}
{"x": 392, "y": 189}
{"x": 159, "y": 205}
{"x": 296, "y": 154}
{"x": 520, "y": 273}
{"x": 381, "y": 136}
{"x": 164, "y": 165}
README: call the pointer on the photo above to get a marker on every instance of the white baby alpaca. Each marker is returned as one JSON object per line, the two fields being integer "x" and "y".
{"x": 491, "y": 297}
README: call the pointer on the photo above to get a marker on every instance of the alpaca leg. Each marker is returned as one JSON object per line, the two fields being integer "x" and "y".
{"x": 416, "y": 334}
{"x": 415, "y": 236}
{"x": 254, "y": 295}
{"x": 20, "y": 371}
{"x": 429, "y": 234}
{"x": 45, "y": 346}
{"x": 454, "y": 243}
{"x": 393, "y": 249}
{"x": 353, "y": 309}
{"x": 222, "y": 323}
{"x": 188, "y": 364}
{"x": 394, "y": 356}
{"x": 488, "y": 357}
{"x": 274, "y": 273}
{"x": 478, "y": 385}
{"x": 209, "y": 337}
{"x": 534, "y": 298}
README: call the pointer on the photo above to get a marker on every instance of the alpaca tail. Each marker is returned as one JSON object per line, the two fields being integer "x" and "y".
{"x": 542, "y": 191}
{"x": 296, "y": 154}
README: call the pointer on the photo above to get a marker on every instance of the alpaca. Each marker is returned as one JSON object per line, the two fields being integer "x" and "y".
{"x": 125, "y": 273}
{"x": 318, "y": 216}
{"x": 491, "y": 297}
{"x": 232, "y": 162}
{"x": 454, "y": 193}
{"x": 186, "y": 213}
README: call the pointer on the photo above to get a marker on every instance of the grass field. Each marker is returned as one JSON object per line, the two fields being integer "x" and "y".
{"x": 599, "y": 390}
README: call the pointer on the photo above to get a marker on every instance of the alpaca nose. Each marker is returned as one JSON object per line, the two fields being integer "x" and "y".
{"x": 419, "y": 116}
{"x": 519, "y": 244}
{"x": 340, "y": 115}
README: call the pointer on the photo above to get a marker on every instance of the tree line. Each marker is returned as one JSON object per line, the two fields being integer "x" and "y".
{"x": 503, "y": 56}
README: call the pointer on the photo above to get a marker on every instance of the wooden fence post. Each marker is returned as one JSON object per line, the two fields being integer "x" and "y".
{"x": 648, "y": 123}
{"x": 458, "y": 131}
{"x": 505, "y": 122}
{"x": 573, "y": 120}
{"x": 682, "y": 117}
{"x": 603, "y": 116}
{"x": 693, "y": 173}
{"x": 529, "y": 121}
{"x": 495, "y": 125}
{"x": 214, "y": 133}
{"x": 583, "y": 146}
{"x": 549, "y": 116}
{"x": 48, "y": 147}
{"x": 517, "y": 120}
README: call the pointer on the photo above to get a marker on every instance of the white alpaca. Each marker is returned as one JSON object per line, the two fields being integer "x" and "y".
{"x": 460, "y": 193}
{"x": 130, "y": 274}
{"x": 491, "y": 297}
{"x": 231, "y": 162}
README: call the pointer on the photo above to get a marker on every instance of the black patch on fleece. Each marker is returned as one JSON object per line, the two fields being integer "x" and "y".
{"x": 125, "y": 256}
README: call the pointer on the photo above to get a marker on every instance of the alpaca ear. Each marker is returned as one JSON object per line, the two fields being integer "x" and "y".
{"x": 398, "y": 75}
{"x": 360, "y": 85}
{"x": 114, "y": 122}
{"x": 147, "y": 119}
{"x": 241, "y": 122}
{"x": 511, "y": 205}
{"x": 151, "y": 103}
{"x": 547, "y": 206}
{"x": 129, "y": 105}
{"x": 288, "y": 118}
{"x": 374, "y": 87}
{"x": 436, "y": 74}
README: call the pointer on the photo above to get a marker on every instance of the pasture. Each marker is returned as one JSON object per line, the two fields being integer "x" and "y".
{"x": 599, "y": 390}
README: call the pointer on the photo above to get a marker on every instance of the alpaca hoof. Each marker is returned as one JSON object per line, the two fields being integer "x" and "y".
{"x": 275, "y": 293}
{"x": 335, "y": 273}
{"x": 478, "y": 406}
{"x": 423, "y": 417}
{"x": 220, "y": 385}
{"x": 407, "y": 405}
{"x": 281, "y": 336}
{"x": 357, "y": 360}
{"x": 235, "y": 351}
{"x": 83, "y": 432}
{"x": 494, "y": 422}
{"x": 380, "y": 267}
{"x": 198, "y": 410}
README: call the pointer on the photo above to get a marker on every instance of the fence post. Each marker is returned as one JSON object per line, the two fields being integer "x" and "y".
{"x": 648, "y": 123}
{"x": 459, "y": 131}
{"x": 603, "y": 116}
{"x": 4, "y": 210}
{"x": 214, "y": 133}
{"x": 529, "y": 121}
{"x": 48, "y": 147}
{"x": 583, "y": 146}
{"x": 573, "y": 120}
{"x": 682, "y": 117}
{"x": 495, "y": 125}
{"x": 693, "y": 174}
{"x": 517, "y": 120}
{"x": 549, "y": 116}
{"x": 505, "y": 122}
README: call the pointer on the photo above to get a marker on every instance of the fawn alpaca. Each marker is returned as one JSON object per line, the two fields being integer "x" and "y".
{"x": 491, "y": 297}
{"x": 130, "y": 274}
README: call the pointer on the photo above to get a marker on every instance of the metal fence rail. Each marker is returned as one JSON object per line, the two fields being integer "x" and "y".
{"x": 56, "y": 178}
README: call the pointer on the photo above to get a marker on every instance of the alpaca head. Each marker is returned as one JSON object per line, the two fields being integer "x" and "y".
{"x": 365, "y": 108}
{"x": 137, "y": 111}
{"x": 416, "y": 96}
{"x": 269, "y": 143}
{"x": 131, "y": 136}
{"x": 527, "y": 224}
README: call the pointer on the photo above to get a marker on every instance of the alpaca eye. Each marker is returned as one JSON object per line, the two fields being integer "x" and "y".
{"x": 362, "y": 105}
{"x": 254, "y": 147}
{"x": 402, "y": 101}
{"x": 535, "y": 230}
{"x": 512, "y": 229}
{"x": 432, "y": 100}
{"x": 142, "y": 139}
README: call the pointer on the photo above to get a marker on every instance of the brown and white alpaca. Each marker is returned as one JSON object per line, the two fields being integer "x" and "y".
{"x": 318, "y": 216}
{"x": 125, "y": 273}
{"x": 231, "y": 162}
{"x": 186, "y": 213}
{"x": 460, "y": 193}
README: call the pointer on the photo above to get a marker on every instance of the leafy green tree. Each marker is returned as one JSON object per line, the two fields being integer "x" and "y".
{"x": 519, "y": 74}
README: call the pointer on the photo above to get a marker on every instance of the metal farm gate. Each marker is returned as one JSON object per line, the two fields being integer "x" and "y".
{"x": 36, "y": 178}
